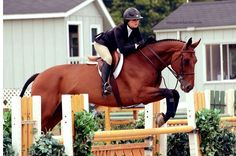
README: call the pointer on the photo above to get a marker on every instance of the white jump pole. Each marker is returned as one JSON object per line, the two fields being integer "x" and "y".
{"x": 16, "y": 125}
{"x": 229, "y": 101}
{"x": 150, "y": 118}
{"x": 37, "y": 116}
{"x": 207, "y": 94}
{"x": 163, "y": 137}
{"x": 148, "y": 121}
{"x": 66, "y": 123}
{"x": 193, "y": 137}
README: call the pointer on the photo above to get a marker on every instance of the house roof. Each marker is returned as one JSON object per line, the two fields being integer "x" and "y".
{"x": 32, "y": 9}
{"x": 200, "y": 14}
{"x": 38, "y": 6}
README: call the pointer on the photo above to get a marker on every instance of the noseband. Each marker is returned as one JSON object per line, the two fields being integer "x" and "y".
{"x": 179, "y": 76}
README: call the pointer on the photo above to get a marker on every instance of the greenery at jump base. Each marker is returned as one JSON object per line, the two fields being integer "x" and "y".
{"x": 7, "y": 147}
{"x": 215, "y": 140}
{"x": 47, "y": 146}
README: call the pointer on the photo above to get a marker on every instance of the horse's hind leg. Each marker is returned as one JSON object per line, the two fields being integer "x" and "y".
{"x": 50, "y": 105}
{"x": 55, "y": 118}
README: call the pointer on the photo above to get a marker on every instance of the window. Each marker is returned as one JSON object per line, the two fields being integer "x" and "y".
{"x": 94, "y": 32}
{"x": 73, "y": 40}
{"x": 229, "y": 60}
{"x": 220, "y": 62}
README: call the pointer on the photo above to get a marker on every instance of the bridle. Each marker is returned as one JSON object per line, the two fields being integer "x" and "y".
{"x": 181, "y": 73}
{"x": 179, "y": 76}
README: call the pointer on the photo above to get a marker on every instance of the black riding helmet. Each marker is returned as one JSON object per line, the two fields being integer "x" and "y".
{"x": 131, "y": 14}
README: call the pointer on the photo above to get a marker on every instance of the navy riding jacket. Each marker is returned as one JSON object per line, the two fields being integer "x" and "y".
{"x": 118, "y": 38}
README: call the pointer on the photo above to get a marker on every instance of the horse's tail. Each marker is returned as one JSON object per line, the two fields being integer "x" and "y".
{"x": 31, "y": 79}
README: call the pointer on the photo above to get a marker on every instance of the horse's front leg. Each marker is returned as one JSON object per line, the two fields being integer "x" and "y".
{"x": 172, "y": 101}
{"x": 150, "y": 94}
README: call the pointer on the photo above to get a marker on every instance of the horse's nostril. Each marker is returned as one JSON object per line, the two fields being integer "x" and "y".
{"x": 189, "y": 87}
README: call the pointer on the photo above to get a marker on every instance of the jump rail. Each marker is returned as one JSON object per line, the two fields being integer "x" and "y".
{"x": 136, "y": 133}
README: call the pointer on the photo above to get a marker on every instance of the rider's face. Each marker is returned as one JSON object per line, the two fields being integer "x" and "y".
{"x": 133, "y": 23}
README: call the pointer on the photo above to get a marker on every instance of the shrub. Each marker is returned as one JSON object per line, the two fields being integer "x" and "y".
{"x": 46, "y": 145}
{"x": 7, "y": 143}
{"x": 178, "y": 144}
{"x": 85, "y": 126}
{"x": 215, "y": 141}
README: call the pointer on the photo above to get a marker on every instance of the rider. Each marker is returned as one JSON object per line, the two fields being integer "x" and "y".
{"x": 125, "y": 37}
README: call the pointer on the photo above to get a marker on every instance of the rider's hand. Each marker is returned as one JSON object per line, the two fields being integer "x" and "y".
{"x": 140, "y": 44}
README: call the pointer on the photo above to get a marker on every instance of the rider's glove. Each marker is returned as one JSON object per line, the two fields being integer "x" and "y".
{"x": 140, "y": 44}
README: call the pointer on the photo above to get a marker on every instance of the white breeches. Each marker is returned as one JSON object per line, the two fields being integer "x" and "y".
{"x": 104, "y": 52}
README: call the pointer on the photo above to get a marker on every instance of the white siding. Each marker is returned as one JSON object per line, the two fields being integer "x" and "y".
{"x": 31, "y": 46}
{"x": 169, "y": 35}
{"x": 8, "y": 62}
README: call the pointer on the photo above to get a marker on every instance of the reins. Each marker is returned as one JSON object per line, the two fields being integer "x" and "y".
{"x": 165, "y": 65}
{"x": 159, "y": 58}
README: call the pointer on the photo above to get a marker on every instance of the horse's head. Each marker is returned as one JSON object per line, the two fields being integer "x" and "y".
{"x": 183, "y": 63}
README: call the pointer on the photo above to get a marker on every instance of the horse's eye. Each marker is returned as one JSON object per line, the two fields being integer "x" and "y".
{"x": 186, "y": 62}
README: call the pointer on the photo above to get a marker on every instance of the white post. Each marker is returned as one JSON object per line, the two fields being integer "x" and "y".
{"x": 16, "y": 125}
{"x": 148, "y": 118}
{"x": 86, "y": 102}
{"x": 229, "y": 101}
{"x": 193, "y": 137}
{"x": 207, "y": 94}
{"x": 67, "y": 124}
{"x": 163, "y": 137}
{"x": 36, "y": 100}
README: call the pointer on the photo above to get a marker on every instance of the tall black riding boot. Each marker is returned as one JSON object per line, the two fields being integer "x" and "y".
{"x": 106, "y": 87}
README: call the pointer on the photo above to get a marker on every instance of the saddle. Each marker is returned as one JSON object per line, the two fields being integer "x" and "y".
{"x": 117, "y": 63}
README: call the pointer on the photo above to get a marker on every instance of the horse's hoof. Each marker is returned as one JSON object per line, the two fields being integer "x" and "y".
{"x": 160, "y": 119}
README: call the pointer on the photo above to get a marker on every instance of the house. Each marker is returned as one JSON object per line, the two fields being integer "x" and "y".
{"x": 215, "y": 24}
{"x": 38, "y": 34}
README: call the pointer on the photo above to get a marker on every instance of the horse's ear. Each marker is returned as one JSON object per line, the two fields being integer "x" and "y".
{"x": 194, "y": 45}
{"x": 189, "y": 43}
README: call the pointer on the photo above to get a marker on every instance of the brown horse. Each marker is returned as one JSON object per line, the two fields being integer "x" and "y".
{"x": 137, "y": 83}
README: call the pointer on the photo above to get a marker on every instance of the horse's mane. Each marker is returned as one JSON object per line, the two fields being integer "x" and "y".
{"x": 152, "y": 40}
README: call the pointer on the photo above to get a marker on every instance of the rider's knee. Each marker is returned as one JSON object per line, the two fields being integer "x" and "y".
{"x": 108, "y": 59}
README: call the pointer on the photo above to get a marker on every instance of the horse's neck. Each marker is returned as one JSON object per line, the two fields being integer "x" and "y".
{"x": 164, "y": 55}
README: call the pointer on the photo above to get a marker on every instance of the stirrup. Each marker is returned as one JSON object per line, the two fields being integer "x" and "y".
{"x": 107, "y": 89}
